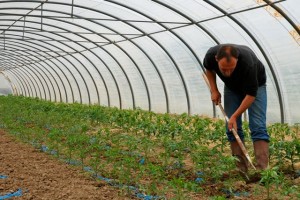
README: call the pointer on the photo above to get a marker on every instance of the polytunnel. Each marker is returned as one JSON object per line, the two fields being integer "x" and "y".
{"x": 145, "y": 54}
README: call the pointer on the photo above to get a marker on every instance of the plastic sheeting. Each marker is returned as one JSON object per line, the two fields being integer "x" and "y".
{"x": 145, "y": 53}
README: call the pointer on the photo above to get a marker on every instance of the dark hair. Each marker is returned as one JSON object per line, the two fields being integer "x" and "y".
{"x": 227, "y": 51}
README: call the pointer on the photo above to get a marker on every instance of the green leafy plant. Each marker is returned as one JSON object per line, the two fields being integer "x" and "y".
{"x": 269, "y": 177}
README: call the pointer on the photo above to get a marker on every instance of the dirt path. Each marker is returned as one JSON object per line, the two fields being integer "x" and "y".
{"x": 41, "y": 176}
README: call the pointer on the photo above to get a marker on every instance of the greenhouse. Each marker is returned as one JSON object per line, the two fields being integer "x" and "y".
{"x": 116, "y": 90}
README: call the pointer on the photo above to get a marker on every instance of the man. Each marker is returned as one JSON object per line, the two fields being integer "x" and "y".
{"x": 244, "y": 77}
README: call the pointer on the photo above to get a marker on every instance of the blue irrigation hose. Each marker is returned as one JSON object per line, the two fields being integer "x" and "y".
{"x": 236, "y": 194}
{"x": 199, "y": 179}
{"x": 136, "y": 191}
{"x": 3, "y": 176}
{"x": 74, "y": 162}
{"x": 108, "y": 180}
{"x": 111, "y": 182}
{"x": 18, "y": 193}
{"x": 142, "y": 161}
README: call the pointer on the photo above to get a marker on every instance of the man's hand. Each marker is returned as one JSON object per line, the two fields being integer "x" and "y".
{"x": 246, "y": 103}
{"x": 215, "y": 94}
{"x": 232, "y": 123}
{"x": 216, "y": 97}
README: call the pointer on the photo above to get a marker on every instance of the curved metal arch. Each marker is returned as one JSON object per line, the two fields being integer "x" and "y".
{"x": 36, "y": 72}
{"x": 112, "y": 56}
{"x": 14, "y": 57}
{"x": 29, "y": 84}
{"x": 138, "y": 68}
{"x": 142, "y": 51}
{"x": 45, "y": 68}
{"x": 71, "y": 62}
{"x": 285, "y": 16}
{"x": 52, "y": 57}
{"x": 22, "y": 89}
{"x": 101, "y": 47}
{"x": 45, "y": 63}
{"x": 45, "y": 74}
{"x": 25, "y": 81}
{"x": 66, "y": 59}
{"x": 50, "y": 66}
{"x": 146, "y": 85}
{"x": 26, "y": 65}
{"x": 128, "y": 80}
{"x": 160, "y": 45}
{"x": 54, "y": 65}
{"x": 187, "y": 45}
{"x": 70, "y": 72}
{"x": 92, "y": 52}
{"x": 192, "y": 51}
{"x": 279, "y": 93}
{"x": 96, "y": 88}
{"x": 12, "y": 85}
{"x": 226, "y": 14}
{"x": 143, "y": 78}
{"x": 27, "y": 74}
{"x": 196, "y": 24}
{"x": 95, "y": 54}
{"x": 30, "y": 76}
{"x": 159, "y": 75}
{"x": 161, "y": 24}
{"x": 32, "y": 80}
{"x": 17, "y": 84}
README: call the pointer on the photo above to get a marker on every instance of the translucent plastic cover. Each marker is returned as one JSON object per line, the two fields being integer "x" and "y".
{"x": 145, "y": 54}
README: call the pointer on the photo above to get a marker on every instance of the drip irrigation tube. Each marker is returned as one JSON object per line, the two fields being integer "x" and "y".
{"x": 3, "y": 176}
{"x": 111, "y": 182}
{"x": 17, "y": 193}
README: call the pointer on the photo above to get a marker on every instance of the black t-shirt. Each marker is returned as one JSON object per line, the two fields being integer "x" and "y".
{"x": 248, "y": 75}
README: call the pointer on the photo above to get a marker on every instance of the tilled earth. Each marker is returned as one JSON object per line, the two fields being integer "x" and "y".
{"x": 40, "y": 176}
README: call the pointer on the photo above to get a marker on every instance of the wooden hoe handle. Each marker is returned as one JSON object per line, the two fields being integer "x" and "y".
{"x": 237, "y": 137}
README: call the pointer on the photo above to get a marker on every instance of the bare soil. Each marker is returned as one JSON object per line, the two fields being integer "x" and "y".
{"x": 41, "y": 176}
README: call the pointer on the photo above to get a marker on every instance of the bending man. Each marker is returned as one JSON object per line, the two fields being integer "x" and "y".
{"x": 244, "y": 77}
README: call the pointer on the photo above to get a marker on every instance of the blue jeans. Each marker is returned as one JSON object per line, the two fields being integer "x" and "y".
{"x": 257, "y": 114}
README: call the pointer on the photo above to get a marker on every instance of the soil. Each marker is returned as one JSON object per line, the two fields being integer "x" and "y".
{"x": 41, "y": 176}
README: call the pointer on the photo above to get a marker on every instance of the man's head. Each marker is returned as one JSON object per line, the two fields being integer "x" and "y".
{"x": 227, "y": 57}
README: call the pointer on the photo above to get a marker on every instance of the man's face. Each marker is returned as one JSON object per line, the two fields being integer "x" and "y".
{"x": 227, "y": 67}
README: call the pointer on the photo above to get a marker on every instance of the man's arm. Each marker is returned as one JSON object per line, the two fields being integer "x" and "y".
{"x": 215, "y": 94}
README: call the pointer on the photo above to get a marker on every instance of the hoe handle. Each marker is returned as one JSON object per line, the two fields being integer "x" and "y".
{"x": 237, "y": 137}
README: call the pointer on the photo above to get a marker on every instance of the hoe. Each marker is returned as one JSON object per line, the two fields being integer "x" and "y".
{"x": 237, "y": 137}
